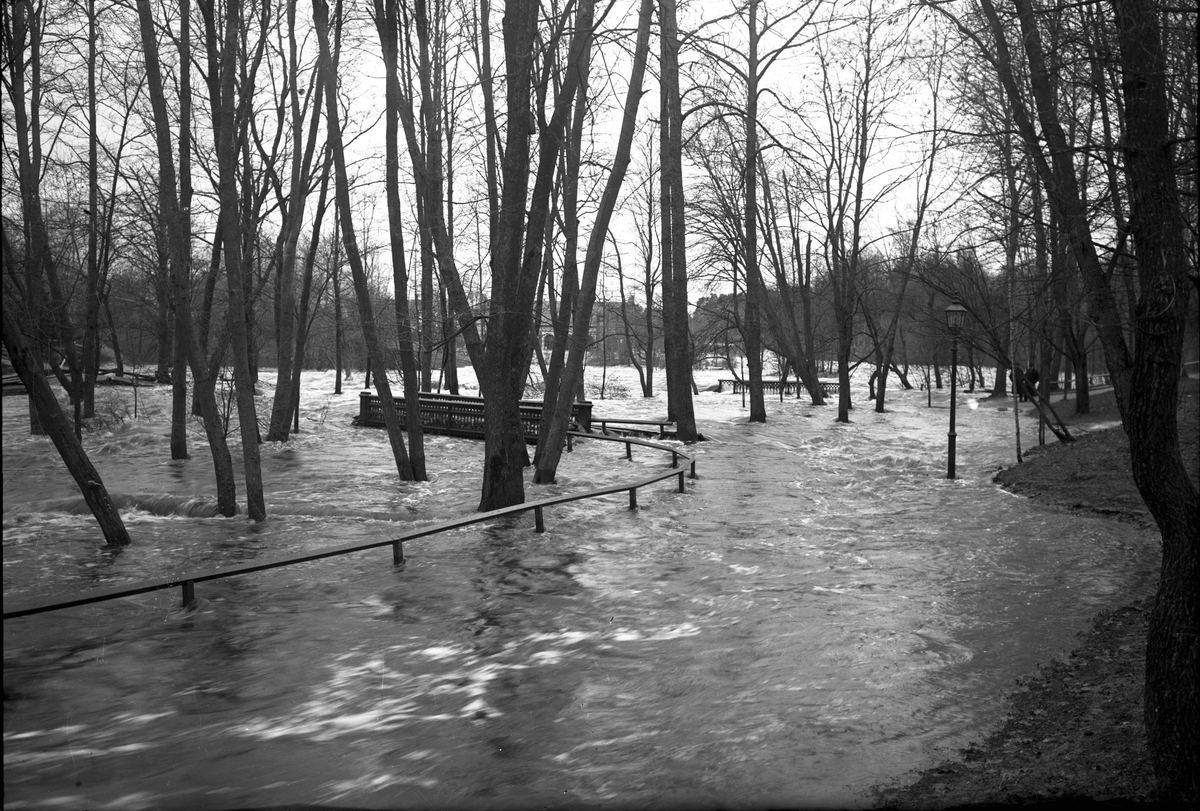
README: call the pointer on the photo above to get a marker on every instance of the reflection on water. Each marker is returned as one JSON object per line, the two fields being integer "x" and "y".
{"x": 820, "y": 613}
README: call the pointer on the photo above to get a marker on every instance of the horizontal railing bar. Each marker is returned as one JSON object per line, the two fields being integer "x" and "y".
{"x": 178, "y": 581}
{"x": 632, "y": 422}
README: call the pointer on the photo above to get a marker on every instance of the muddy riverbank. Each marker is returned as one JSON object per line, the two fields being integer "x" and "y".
{"x": 1074, "y": 732}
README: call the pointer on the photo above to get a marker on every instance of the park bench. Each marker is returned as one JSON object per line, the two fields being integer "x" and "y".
{"x": 463, "y": 416}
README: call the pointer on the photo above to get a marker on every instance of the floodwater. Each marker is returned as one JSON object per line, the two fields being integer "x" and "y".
{"x": 822, "y": 612}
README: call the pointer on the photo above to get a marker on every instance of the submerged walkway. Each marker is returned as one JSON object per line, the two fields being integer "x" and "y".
{"x": 186, "y": 581}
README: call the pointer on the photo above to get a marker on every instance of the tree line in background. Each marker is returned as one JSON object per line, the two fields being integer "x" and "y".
{"x": 201, "y": 187}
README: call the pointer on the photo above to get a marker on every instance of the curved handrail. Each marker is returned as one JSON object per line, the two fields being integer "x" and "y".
{"x": 187, "y": 580}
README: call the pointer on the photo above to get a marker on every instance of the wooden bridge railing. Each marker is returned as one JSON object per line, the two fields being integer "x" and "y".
{"x": 828, "y": 387}
{"x": 459, "y": 415}
{"x": 187, "y": 581}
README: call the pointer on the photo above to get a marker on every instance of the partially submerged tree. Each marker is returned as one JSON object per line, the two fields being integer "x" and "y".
{"x": 58, "y": 427}
{"x": 175, "y": 221}
{"x": 676, "y": 341}
{"x": 581, "y": 328}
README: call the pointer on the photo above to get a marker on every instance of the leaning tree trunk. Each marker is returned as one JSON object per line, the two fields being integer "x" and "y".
{"x": 59, "y": 428}
{"x": 376, "y": 357}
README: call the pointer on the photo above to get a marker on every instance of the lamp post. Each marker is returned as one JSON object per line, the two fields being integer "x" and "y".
{"x": 955, "y": 314}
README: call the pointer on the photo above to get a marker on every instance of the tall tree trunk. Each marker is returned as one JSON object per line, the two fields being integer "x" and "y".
{"x": 752, "y": 332}
{"x": 426, "y": 159}
{"x": 676, "y": 343}
{"x": 283, "y": 404}
{"x": 337, "y": 316}
{"x": 235, "y": 261}
{"x": 386, "y": 23}
{"x": 91, "y": 325}
{"x": 580, "y": 331}
{"x": 178, "y": 243}
{"x": 518, "y": 247}
{"x": 1157, "y": 226}
{"x": 303, "y": 320}
{"x": 569, "y": 302}
{"x": 1145, "y": 380}
{"x": 376, "y": 357}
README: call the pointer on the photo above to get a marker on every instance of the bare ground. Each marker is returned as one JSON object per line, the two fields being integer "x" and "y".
{"x": 1074, "y": 734}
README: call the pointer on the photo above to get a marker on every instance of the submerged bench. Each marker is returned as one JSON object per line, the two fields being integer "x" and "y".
{"x": 462, "y": 416}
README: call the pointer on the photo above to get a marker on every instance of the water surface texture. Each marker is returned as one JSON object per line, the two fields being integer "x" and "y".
{"x": 821, "y": 612}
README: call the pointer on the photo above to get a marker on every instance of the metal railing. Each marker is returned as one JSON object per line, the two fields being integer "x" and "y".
{"x": 636, "y": 427}
{"x": 187, "y": 581}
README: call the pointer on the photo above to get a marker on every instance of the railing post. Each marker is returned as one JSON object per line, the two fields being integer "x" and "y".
{"x": 570, "y": 444}
{"x": 189, "y": 593}
{"x": 633, "y": 498}
{"x": 629, "y": 451}
{"x": 692, "y": 475}
{"x": 364, "y": 408}
{"x": 539, "y": 522}
{"x": 674, "y": 458}
{"x": 397, "y": 552}
{"x": 682, "y": 489}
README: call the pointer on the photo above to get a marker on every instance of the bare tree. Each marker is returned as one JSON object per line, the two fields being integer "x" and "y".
{"x": 376, "y": 356}
{"x": 676, "y": 342}
{"x": 386, "y": 23}
{"x": 176, "y": 223}
{"x": 859, "y": 84}
{"x": 289, "y": 333}
{"x": 580, "y": 332}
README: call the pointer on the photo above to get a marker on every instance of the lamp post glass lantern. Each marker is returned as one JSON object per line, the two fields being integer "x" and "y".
{"x": 955, "y": 314}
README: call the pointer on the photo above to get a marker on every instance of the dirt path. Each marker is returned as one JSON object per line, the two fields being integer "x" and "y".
{"x": 1074, "y": 733}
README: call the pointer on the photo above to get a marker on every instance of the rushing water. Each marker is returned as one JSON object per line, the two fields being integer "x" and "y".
{"x": 821, "y": 612}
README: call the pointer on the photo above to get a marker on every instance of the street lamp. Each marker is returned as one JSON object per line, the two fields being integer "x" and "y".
{"x": 955, "y": 314}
